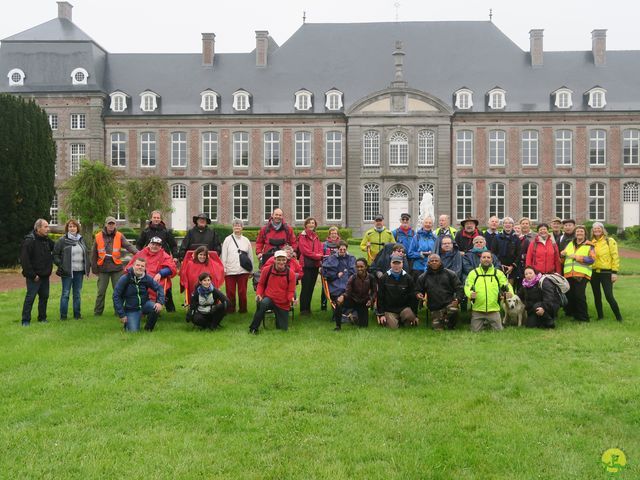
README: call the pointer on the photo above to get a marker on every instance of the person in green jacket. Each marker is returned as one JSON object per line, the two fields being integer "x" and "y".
{"x": 485, "y": 286}
{"x": 375, "y": 238}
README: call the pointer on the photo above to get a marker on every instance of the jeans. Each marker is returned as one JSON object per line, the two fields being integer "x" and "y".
{"x": 74, "y": 281}
{"x": 103, "y": 283}
{"x": 282, "y": 316}
{"x": 133, "y": 318}
{"x": 40, "y": 288}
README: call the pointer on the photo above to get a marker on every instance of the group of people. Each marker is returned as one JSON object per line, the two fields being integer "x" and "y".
{"x": 444, "y": 269}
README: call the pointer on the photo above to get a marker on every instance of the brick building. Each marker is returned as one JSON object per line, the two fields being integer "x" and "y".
{"x": 344, "y": 121}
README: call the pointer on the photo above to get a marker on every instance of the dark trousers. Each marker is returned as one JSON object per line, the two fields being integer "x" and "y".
{"x": 168, "y": 303}
{"x": 361, "y": 309}
{"x": 209, "y": 320}
{"x": 40, "y": 288}
{"x": 309, "y": 279}
{"x": 604, "y": 279}
{"x": 282, "y": 316}
{"x": 577, "y": 297}
{"x": 536, "y": 321}
{"x": 239, "y": 282}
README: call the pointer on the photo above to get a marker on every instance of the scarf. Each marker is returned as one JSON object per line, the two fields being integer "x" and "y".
{"x": 479, "y": 250}
{"x": 73, "y": 237}
{"x": 531, "y": 283}
{"x": 405, "y": 229}
{"x": 474, "y": 234}
{"x": 276, "y": 226}
{"x": 205, "y": 291}
{"x": 395, "y": 275}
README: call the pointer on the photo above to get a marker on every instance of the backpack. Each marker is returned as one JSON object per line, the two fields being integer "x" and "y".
{"x": 560, "y": 285}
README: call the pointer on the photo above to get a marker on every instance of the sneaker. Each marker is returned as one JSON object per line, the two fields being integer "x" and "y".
{"x": 26, "y": 323}
{"x": 253, "y": 331}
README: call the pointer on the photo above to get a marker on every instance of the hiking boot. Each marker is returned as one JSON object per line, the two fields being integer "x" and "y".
{"x": 253, "y": 331}
{"x": 26, "y": 323}
{"x": 337, "y": 329}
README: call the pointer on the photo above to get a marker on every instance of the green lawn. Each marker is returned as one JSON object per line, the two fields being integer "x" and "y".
{"x": 82, "y": 399}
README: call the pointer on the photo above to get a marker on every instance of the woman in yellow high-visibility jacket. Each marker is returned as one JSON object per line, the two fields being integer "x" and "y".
{"x": 605, "y": 270}
{"x": 578, "y": 257}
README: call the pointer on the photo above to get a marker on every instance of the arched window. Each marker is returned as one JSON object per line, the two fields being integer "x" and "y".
{"x": 371, "y": 149}
{"x": 303, "y": 149}
{"x": 333, "y": 148}
{"x": 148, "y": 149}
{"x": 240, "y": 149}
{"x": 529, "y": 148}
{"x": 597, "y": 147}
{"x": 118, "y": 149}
{"x": 303, "y": 100}
{"x": 371, "y": 201}
{"x": 271, "y": 150}
{"x": 334, "y": 100}
{"x": 426, "y": 148}
{"x": 564, "y": 147}
{"x": 209, "y": 101}
{"x": 178, "y": 191}
{"x": 148, "y": 101}
{"x": 178, "y": 150}
{"x": 210, "y": 200}
{"x": 16, "y": 77}
{"x": 464, "y": 148}
{"x": 631, "y": 192}
{"x": 118, "y": 102}
{"x": 79, "y": 76}
{"x": 398, "y": 149}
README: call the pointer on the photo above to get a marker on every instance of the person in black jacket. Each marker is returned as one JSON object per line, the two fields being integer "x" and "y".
{"x": 397, "y": 302}
{"x": 540, "y": 299}
{"x": 207, "y": 305}
{"x": 37, "y": 264}
{"x": 200, "y": 236}
{"x": 443, "y": 291}
{"x": 507, "y": 248}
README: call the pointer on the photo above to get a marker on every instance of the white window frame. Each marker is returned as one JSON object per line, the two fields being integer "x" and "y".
{"x": 53, "y": 121}
{"x": 563, "y": 143}
{"x": 333, "y": 149}
{"x": 271, "y": 200}
{"x": 597, "y": 98}
{"x": 333, "y": 204}
{"x": 119, "y": 213}
{"x": 597, "y": 210}
{"x": 148, "y": 149}
{"x": 304, "y": 101}
{"x": 597, "y": 147}
{"x": 530, "y": 200}
{"x": 78, "y": 121}
{"x": 209, "y": 149}
{"x": 333, "y": 100}
{"x": 302, "y": 149}
{"x": 148, "y": 101}
{"x": 240, "y": 148}
{"x": 119, "y": 147}
{"x": 426, "y": 148}
{"x": 563, "y": 200}
{"x": 271, "y": 146}
{"x": 563, "y": 98}
{"x": 12, "y": 81}
{"x": 464, "y": 148}
{"x": 370, "y": 201}
{"x": 78, "y": 152}
{"x": 178, "y": 149}
{"x": 631, "y": 147}
{"x": 497, "y": 148}
{"x": 118, "y": 102}
{"x": 497, "y": 199}
{"x": 530, "y": 148}
{"x": 631, "y": 192}
{"x": 241, "y": 100}
{"x": 79, "y": 76}
{"x": 497, "y": 99}
{"x": 464, "y": 99}
{"x": 464, "y": 200}
{"x": 210, "y": 200}
{"x": 371, "y": 149}
{"x": 53, "y": 211}
{"x": 398, "y": 149}
{"x": 302, "y": 201}
{"x": 208, "y": 101}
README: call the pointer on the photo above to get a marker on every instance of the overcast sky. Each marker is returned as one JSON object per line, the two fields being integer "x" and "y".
{"x": 123, "y": 26}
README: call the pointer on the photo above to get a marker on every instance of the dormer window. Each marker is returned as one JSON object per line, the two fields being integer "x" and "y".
{"x": 597, "y": 97}
{"x": 16, "y": 77}
{"x": 148, "y": 101}
{"x": 334, "y": 100}
{"x": 303, "y": 100}
{"x": 241, "y": 100}
{"x": 464, "y": 99}
{"x": 79, "y": 76}
{"x": 563, "y": 98}
{"x": 209, "y": 101}
{"x": 497, "y": 99}
{"x": 118, "y": 102}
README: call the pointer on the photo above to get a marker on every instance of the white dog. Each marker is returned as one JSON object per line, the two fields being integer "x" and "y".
{"x": 514, "y": 312}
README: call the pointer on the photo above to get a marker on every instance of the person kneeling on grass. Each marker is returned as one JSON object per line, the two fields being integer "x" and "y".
{"x": 208, "y": 305}
{"x": 275, "y": 291}
{"x": 442, "y": 290}
{"x": 397, "y": 303}
{"x": 131, "y": 297}
{"x": 359, "y": 295}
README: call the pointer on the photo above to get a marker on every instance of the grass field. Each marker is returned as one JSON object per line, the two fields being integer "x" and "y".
{"x": 82, "y": 399}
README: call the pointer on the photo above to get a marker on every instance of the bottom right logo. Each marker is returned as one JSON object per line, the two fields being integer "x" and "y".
{"x": 614, "y": 460}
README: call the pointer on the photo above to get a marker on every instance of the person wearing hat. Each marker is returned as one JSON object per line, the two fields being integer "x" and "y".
{"x": 275, "y": 291}
{"x": 404, "y": 233}
{"x": 397, "y": 301}
{"x": 200, "y": 236}
{"x": 106, "y": 259}
{"x": 556, "y": 229}
{"x": 568, "y": 233}
{"x": 376, "y": 237}
{"x": 464, "y": 238}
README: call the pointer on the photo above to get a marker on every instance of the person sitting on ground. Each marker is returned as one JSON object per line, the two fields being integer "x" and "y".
{"x": 275, "y": 291}
{"x": 207, "y": 305}
{"x": 443, "y": 291}
{"x": 449, "y": 255}
{"x": 422, "y": 245}
{"x": 543, "y": 253}
{"x": 397, "y": 302}
{"x": 159, "y": 264}
{"x": 274, "y": 236}
{"x": 359, "y": 295}
{"x": 376, "y": 238}
{"x": 200, "y": 236}
{"x": 540, "y": 300}
{"x": 132, "y": 299}
{"x": 464, "y": 238}
{"x": 485, "y": 286}
{"x": 337, "y": 269}
{"x": 471, "y": 258}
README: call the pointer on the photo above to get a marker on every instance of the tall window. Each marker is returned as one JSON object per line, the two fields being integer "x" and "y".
{"x": 371, "y": 204}
{"x": 398, "y": 149}
{"x": 120, "y": 214}
{"x": 371, "y": 149}
{"x": 302, "y": 201}
{"x": 334, "y": 202}
{"x": 271, "y": 199}
{"x": 78, "y": 121}
{"x": 241, "y": 201}
{"x": 271, "y": 150}
{"x": 78, "y": 153}
{"x": 464, "y": 148}
{"x": 497, "y": 141}
{"x": 563, "y": 148}
{"x": 530, "y": 201}
{"x": 426, "y": 188}
{"x": 210, "y": 200}
{"x": 118, "y": 150}
{"x": 334, "y": 149}
{"x": 530, "y": 148}
{"x": 497, "y": 200}
{"x": 53, "y": 210}
{"x": 240, "y": 149}
{"x": 631, "y": 147}
{"x": 209, "y": 149}
{"x": 597, "y": 147}
{"x": 148, "y": 149}
{"x": 303, "y": 149}
{"x": 597, "y": 195}
{"x": 178, "y": 149}
{"x": 563, "y": 200}
{"x": 426, "y": 148}
{"x": 464, "y": 200}
{"x": 53, "y": 121}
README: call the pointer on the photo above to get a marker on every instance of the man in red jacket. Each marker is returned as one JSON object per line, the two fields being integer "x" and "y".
{"x": 274, "y": 236}
{"x": 275, "y": 291}
{"x": 543, "y": 254}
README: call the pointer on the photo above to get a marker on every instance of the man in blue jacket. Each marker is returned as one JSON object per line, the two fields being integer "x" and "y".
{"x": 337, "y": 269}
{"x": 131, "y": 298}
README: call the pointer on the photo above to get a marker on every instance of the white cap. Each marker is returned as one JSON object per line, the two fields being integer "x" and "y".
{"x": 280, "y": 253}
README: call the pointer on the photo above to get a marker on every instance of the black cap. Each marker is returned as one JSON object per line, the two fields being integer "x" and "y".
{"x": 378, "y": 217}
{"x": 405, "y": 215}
{"x": 569, "y": 220}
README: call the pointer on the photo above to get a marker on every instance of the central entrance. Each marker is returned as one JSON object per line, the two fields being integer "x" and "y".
{"x": 398, "y": 204}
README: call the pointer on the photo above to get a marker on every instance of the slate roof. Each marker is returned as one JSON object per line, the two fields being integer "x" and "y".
{"x": 356, "y": 58}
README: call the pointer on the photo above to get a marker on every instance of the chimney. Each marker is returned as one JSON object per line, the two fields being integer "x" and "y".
{"x": 599, "y": 47}
{"x": 262, "y": 47}
{"x": 208, "y": 49}
{"x": 64, "y": 10}
{"x": 535, "y": 42}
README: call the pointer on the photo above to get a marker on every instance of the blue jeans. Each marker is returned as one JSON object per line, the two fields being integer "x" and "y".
{"x": 74, "y": 281}
{"x": 40, "y": 288}
{"x": 133, "y": 318}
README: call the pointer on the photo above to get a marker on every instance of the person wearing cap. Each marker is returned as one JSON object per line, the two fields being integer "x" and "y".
{"x": 274, "y": 236}
{"x": 443, "y": 292}
{"x": 556, "y": 229}
{"x": 444, "y": 227}
{"x": 464, "y": 238}
{"x": 404, "y": 233}
{"x": 376, "y": 237}
{"x": 397, "y": 302}
{"x": 568, "y": 233}
{"x": 106, "y": 259}
{"x": 543, "y": 253}
{"x": 200, "y": 236}
{"x": 382, "y": 262}
{"x": 275, "y": 291}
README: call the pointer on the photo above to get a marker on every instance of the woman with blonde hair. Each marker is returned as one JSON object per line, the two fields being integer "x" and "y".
{"x": 605, "y": 269}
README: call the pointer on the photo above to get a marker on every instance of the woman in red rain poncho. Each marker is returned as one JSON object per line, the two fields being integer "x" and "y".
{"x": 196, "y": 262}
